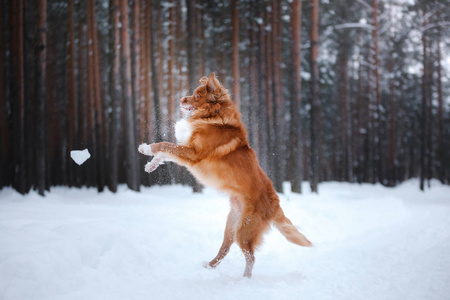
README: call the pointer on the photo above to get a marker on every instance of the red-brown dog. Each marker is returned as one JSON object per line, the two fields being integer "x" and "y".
{"x": 213, "y": 145}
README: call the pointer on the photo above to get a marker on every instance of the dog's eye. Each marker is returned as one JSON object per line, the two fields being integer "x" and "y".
{"x": 197, "y": 96}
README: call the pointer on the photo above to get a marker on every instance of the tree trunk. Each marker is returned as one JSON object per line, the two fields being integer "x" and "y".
{"x": 147, "y": 132}
{"x": 430, "y": 119}
{"x": 424, "y": 121}
{"x": 315, "y": 100}
{"x": 440, "y": 118}
{"x": 368, "y": 139}
{"x": 90, "y": 93}
{"x": 261, "y": 94}
{"x": 179, "y": 45}
{"x": 269, "y": 97}
{"x": 98, "y": 125}
{"x": 31, "y": 59}
{"x": 132, "y": 173}
{"x": 71, "y": 91}
{"x": 161, "y": 175}
{"x": 345, "y": 165}
{"x": 4, "y": 124}
{"x": 190, "y": 43}
{"x": 40, "y": 132}
{"x": 279, "y": 124}
{"x": 253, "y": 126}
{"x": 296, "y": 148}
{"x": 359, "y": 127}
{"x": 136, "y": 53}
{"x": 170, "y": 95}
{"x": 201, "y": 41}
{"x": 390, "y": 164}
{"x": 115, "y": 94}
{"x": 18, "y": 93}
{"x": 155, "y": 78}
{"x": 82, "y": 88}
{"x": 236, "y": 86}
{"x": 377, "y": 130}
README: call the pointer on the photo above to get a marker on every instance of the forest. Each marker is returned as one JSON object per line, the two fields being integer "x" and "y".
{"x": 331, "y": 90}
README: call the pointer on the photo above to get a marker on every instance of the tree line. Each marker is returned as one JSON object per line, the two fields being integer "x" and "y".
{"x": 339, "y": 90}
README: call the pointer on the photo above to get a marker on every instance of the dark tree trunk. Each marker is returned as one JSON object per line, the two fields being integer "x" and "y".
{"x": 115, "y": 96}
{"x": 82, "y": 95}
{"x": 253, "y": 127}
{"x": 344, "y": 166}
{"x": 5, "y": 161}
{"x": 315, "y": 100}
{"x": 295, "y": 160}
{"x": 17, "y": 93}
{"x": 190, "y": 43}
{"x": 269, "y": 116}
{"x": 146, "y": 111}
{"x": 430, "y": 119}
{"x": 136, "y": 52}
{"x": 170, "y": 66}
{"x": 161, "y": 175}
{"x": 236, "y": 85}
{"x": 155, "y": 78}
{"x": 424, "y": 121}
{"x": 262, "y": 95}
{"x": 99, "y": 129}
{"x": 359, "y": 125}
{"x": 378, "y": 169}
{"x": 390, "y": 166}
{"x": 71, "y": 92}
{"x": 440, "y": 118}
{"x": 369, "y": 128}
{"x": 40, "y": 132}
{"x": 192, "y": 71}
{"x": 132, "y": 174}
{"x": 279, "y": 124}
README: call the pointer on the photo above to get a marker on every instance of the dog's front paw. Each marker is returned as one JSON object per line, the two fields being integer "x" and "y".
{"x": 154, "y": 164}
{"x": 149, "y": 167}
{"x": 145, "y": 149}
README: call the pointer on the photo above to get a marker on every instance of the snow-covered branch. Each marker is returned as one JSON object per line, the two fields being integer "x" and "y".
{"x": 367, "y": 5}
{"x": 354, "y": 25}
{"x": 434, "y": 25}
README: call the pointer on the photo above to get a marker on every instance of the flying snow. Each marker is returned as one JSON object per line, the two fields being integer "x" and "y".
{"x": 80, "y": 156}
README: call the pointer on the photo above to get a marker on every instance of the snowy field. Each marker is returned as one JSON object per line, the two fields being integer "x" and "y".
{"x": 371, "y": 242}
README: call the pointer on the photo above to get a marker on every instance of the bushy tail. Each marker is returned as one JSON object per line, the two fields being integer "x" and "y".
{"x": 284, "y": 225}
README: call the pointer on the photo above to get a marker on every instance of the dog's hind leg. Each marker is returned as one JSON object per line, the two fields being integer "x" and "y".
{"x": 249, "y": 236}
{"x": 228, "y": 239}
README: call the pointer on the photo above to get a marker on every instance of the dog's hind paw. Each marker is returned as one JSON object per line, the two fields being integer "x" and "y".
{"x": 206, "y": 265}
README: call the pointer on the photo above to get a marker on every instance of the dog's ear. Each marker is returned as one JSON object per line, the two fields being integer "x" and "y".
{"x": 204, "y": 80}
{"x": 212, "y": 83}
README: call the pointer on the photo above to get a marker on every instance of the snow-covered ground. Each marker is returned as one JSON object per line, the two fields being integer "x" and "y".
{"x": 371, "y": 242}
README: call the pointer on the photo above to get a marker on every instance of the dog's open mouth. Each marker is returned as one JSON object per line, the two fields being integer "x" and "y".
{"x": 187, "y": 109}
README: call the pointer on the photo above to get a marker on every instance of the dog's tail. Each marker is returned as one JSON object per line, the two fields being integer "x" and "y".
{"x": 284, "y": 225}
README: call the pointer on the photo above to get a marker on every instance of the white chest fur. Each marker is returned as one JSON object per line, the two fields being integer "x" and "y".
{"x": 183, "y": 131}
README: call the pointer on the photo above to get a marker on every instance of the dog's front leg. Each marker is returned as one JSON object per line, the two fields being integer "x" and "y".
{"x": 145, "y": 149}
{"x": 175, "y": 152}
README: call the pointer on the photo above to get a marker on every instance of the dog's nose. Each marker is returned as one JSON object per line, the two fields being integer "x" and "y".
{"x": 183, "y": 100}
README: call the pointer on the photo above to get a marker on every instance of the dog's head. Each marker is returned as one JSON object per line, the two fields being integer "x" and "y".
{"x": 209, "y": 97}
